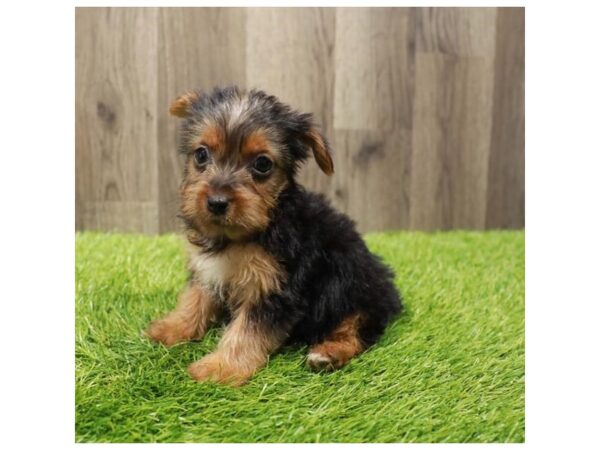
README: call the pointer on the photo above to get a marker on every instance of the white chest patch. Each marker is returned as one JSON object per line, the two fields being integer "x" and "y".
{"x": 241, "y": 273}
{"x": 213, "y": 269}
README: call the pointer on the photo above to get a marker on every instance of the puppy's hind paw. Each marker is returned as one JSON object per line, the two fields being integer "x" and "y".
{"x": 319, "y": 362}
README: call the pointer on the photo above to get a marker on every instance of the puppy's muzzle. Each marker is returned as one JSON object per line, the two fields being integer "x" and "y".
{"x": 217, "y": 204}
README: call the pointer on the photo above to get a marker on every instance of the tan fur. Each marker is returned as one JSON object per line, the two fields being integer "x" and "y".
{"x": 254, "y": 203}
{"x": 256, "y": 143}
{"x": 242, "y": 274}
{"x": 255, "y": 200}
{"x": 243, "y": 349}
{"x": 339, "y": 347}
{"x": 193, "y": 194}
{"x": 189, "y": 320}
{"x": 322, "y": 156}
{"x": 245, "y": 271}
{"x": 251, "y": 202}
{"x": 181, "y": 106}
{"x": 213, "y": 137}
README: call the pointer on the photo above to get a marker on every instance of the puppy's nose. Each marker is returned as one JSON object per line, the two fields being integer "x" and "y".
{"x": 217, "y": 204}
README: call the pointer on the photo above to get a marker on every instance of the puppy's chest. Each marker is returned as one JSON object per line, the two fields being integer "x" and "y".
{"x": 241, "y": 273}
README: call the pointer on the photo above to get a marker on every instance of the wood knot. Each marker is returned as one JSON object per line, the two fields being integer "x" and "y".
{"x": 106, "y": 114}
{"x": 368, "y": 151}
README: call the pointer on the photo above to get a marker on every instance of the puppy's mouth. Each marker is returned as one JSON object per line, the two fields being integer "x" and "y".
{"x": 220, "y": 221}
{"x": 208, "y": 223}
{"x": 217, "y": 226}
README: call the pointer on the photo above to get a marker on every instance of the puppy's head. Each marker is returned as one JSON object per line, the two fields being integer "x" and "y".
{"x": 242, "y": 150}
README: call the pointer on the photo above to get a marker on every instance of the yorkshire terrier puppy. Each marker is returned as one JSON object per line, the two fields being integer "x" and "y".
{"x": 277, "y": 262}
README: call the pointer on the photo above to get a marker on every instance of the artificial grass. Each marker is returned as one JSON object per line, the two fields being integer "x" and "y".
{"x": 451, "y": 369}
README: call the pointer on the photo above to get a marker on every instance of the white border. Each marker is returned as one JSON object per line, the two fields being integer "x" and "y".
{"x": 562, "y": 187}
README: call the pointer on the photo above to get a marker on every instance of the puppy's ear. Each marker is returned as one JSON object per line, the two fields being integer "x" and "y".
{"x": 320, "y": 149}
{"x": 182, "y": 106}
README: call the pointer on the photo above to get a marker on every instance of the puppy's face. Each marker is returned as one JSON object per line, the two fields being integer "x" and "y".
{"x": 242, "y": 151}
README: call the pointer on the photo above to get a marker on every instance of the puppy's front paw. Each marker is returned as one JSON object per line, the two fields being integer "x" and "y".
{"x": 213, "y": 367}
{"x": 169, "y": 331}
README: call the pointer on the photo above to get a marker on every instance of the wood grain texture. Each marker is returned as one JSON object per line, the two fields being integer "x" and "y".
{"x": 122, "y": 216}
{"x": 116, "y": 148}
{"x": 452, "y": 117}
{"x": 374, "y": 188}
{"x": 506, "y": 178}
{"x": 456, "y": 31}
{"x": 373, "y": 68}
{"x": 424, "y": 107}
{"x": 451, "y": 142}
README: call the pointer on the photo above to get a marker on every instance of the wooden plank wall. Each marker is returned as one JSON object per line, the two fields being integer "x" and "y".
{"x": 424, "y": 107}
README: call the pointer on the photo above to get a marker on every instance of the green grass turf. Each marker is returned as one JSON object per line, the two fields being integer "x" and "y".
{"x": 451, "y": 369}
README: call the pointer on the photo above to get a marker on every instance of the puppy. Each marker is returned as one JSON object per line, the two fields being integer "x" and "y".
{"x": 275, "y": 261}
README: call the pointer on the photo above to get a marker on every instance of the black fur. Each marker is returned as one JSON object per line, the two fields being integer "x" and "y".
{"x": 331, "y": 273}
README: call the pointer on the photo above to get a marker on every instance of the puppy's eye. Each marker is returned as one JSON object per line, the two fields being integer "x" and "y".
{"x": 262, "y": 165}
{"x": 201, "y": 156}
